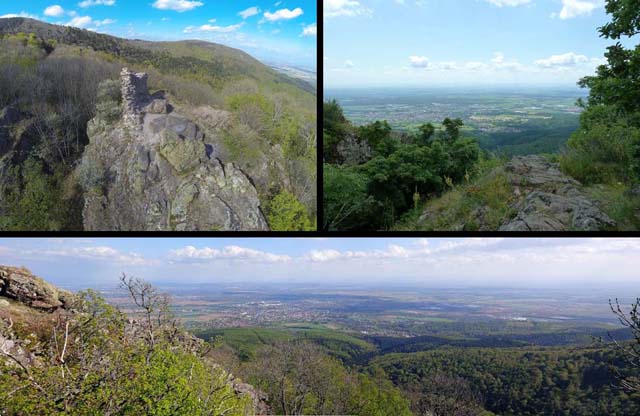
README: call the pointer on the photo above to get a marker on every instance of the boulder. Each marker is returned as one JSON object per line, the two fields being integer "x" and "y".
{"x": 157, "y": 106}
{"x": 548, "y": 200}
{"x": 22, "y": 286}
{"x": 259, "y": 398}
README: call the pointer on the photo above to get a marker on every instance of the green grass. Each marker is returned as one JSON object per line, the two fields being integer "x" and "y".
{"x": 482, "y": 204}
{"x": 614, "y": 199}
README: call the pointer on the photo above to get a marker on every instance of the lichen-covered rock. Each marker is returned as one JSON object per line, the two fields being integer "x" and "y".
{"x": 354, "y": 151}
{"x": 161, "y": 172}
{"x": 20, "y": 285}
{"x": 549, "y": 200}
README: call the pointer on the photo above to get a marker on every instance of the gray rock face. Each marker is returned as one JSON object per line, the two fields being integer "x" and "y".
{"x": 159, "y": 173}
{"x": 22, "y": 286}
{"x": 259, "y": 398}
{"x": 353, "y": 151}
{"x": 552, "y": 201}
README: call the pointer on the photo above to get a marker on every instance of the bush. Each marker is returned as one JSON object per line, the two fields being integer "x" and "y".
{"x": 601, "y": 153}
{"x": 286, "y": 213}
{"x": 347, "y": 206}
{"x": 91, "y": 174}
{"x": 109, "y": 99}
{"x": 109, "y": 366}
{"x": 33, "y": 202}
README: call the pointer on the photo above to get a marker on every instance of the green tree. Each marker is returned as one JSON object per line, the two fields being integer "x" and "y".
{"x": 346, "y": 203}
{"x": 378, "y": 135}
{"x": 607, "y": 145}
{"x": 286, "y": 213}
{"x": 426, "y": 134}
{"x": 451, "y": 129}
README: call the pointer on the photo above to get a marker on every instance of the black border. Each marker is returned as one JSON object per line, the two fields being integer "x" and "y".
{"x": 319, "y": 232}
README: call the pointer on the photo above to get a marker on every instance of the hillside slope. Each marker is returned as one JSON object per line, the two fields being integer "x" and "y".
{"x": 64, "y": 353}
{"x": 527, "y": 193}
{"x": 55, "y": 79}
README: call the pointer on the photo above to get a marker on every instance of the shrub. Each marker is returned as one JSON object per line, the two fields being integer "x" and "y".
{"x": 109, "y": 99}
{"x": 601, "y": 153}
{"x": 286, "y": 213}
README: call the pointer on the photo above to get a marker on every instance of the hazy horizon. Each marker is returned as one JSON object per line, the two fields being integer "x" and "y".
{"x": 554, "y": 263}
{"x": 470, "y": 42}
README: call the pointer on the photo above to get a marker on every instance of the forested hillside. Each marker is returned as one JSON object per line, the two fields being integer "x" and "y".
{"x": 50, "y": 80}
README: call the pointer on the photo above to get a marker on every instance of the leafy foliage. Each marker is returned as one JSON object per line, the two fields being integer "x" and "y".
{"x": 399, "y": 174}
{"x": 519, "y": 381}
{"x": 286, "y": 213}
{"x": 95, "y": 363}
{"x": 300, "y": 378}
{"x": 606, "y": 148}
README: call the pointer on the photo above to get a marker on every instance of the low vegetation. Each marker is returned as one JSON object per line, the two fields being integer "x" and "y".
{"x": 95, "y": 362}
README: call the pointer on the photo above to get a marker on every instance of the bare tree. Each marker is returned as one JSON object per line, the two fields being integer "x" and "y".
{"x": 157, "y": 318}
{"x": 630, "y": 350}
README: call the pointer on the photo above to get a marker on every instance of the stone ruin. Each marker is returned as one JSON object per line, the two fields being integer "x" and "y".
{"x": 137, "y": 101}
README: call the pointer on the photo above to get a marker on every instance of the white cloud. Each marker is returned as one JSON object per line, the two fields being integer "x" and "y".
{"x": 80, "y": 21}
{"x": 283, "y": 14}
{"x": 310, "y": 30}
{"x": 211, "y": 28}
{"x": 104, "y": 22}
{"x": 564, "y": 60}
{"x": 89, "y": 3}
{"x": 349, "y": 64}
{"x": 419, "y": 249}
{"x": 177, "y": 5}
{"x": 191, "y": 253}
{"x": 21, "y": 14}
{"x": 345, "y": 8}
{"x": 508, "y": 3}
{"x": 251, "y": 11}
{"x": 475, "y": 66}
{"x": 498, "y": 58}
{"x": 575, "y": 8}
{"x": 96, "y": 253}
{"x": 54, "y": 11}
{"x": 419, "y": 61}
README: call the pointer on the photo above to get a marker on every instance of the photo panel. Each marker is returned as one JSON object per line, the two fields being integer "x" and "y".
{"x": 480, "y": 116}
{"x": 319, "y": 326}
{"x": 166, "y": 115}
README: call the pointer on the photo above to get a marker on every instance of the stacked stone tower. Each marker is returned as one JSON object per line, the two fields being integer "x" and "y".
{"x": 135, "y": 96}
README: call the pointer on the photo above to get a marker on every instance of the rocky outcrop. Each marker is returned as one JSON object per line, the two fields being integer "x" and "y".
{"x": 158, "y": 170}
{"x": 353, "y": 151}
{"x": 548, "y": 200}
{"x": 20, "y": 285}
{"x": 259, "y": 398}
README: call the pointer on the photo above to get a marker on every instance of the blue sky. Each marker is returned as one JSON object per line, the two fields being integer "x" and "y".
{"x": 447, "y": 42}
{"x": 282, "y": 32}
{"x": 522, "y": 262}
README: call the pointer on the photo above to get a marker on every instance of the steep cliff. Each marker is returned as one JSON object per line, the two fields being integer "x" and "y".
{"x": 154, "y": 169}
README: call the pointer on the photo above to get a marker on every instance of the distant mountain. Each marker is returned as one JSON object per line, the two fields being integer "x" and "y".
{"x": 221, "y": 60}
{"x": 299, "y": 73}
